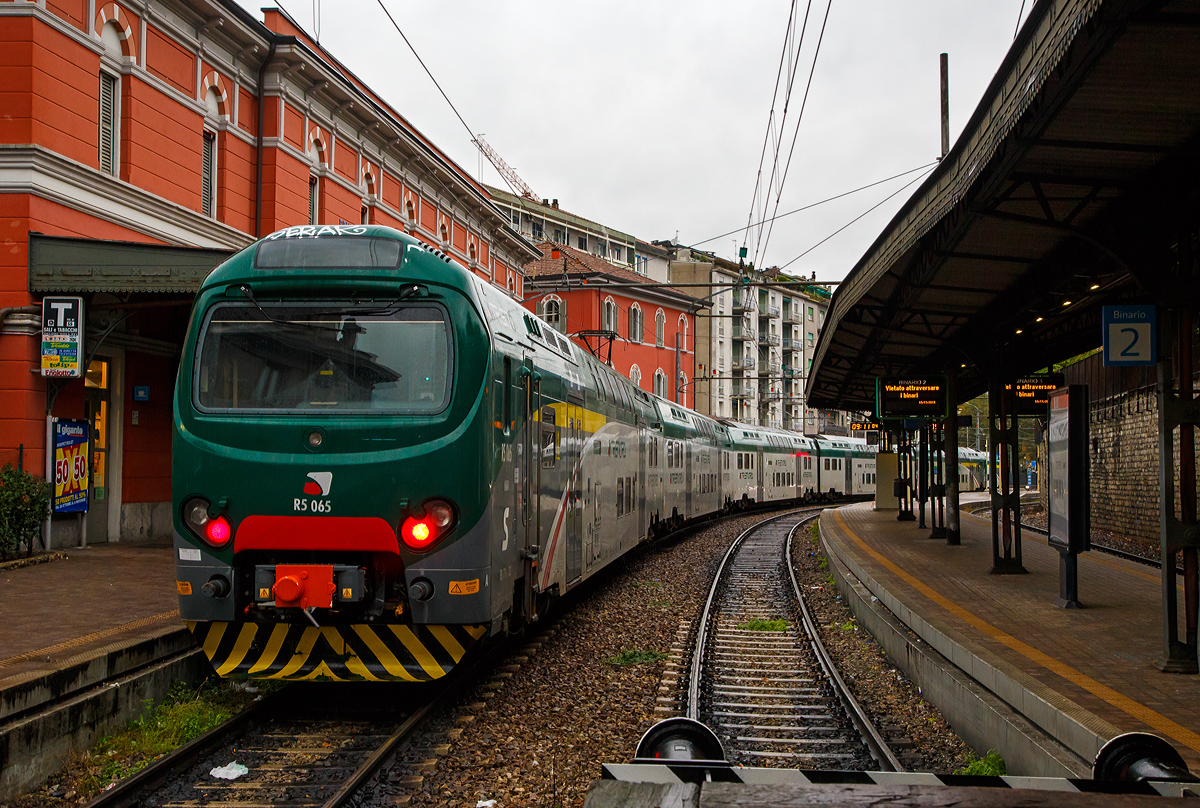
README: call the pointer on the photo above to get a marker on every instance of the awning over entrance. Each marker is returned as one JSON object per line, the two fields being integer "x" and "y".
{"x": 1072, "y": 186}
{"x": 60, "y": 264}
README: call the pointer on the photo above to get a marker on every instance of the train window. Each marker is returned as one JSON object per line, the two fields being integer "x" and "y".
{"x": 596, "y": 504}
{"x": 739, "y": 454}
{"x": 328, "y": 253}
{"x": 549, "y": 453}
{"x": 827, "y": 464}
{"x": 326, "y": 357}
{"x": 620, "y": 498}
{"x": 629, "y": 494}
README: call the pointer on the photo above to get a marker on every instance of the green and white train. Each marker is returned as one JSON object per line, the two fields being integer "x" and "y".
{"x": 380, "y": 460}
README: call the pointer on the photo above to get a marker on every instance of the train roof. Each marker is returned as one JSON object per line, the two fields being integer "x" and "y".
{"x": 361, "y": 252}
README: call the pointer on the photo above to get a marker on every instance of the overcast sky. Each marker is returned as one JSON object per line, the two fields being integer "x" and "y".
{"x": 649, "y": 116}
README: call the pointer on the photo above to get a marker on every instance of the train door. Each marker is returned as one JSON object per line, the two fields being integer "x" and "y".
{"x": 640, "y": 487}
{"x": 759, "y": 493}
{"x": 527, "y": 475}
{"x": 688, "y": 483}
{"x": 573, "y": 467}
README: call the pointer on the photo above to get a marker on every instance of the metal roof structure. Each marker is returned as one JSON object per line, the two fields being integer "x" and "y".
{"x": 1073, "y": 185}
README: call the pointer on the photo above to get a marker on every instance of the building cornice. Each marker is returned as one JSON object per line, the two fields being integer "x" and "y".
{"x": 35, "y": 170}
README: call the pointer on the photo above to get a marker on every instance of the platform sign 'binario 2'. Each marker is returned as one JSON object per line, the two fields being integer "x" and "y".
{"x": 1129, "y": 335}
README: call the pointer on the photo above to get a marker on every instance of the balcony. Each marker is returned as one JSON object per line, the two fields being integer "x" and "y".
{"x": 740, "y": 331}
{"x": 790, "y": 344}
{"x": 797, "y": 315}
{"x": 743, "y": 362}
{"x": 772, "y": 396}
{"x": 742, "y": 391}
{"x": 773, "y": 311}
{"x": 773, "y": 368}
{"x": 767, "y": 339}
{"x": 743, "y": 301}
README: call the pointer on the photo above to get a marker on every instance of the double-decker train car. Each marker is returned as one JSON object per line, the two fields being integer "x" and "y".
{"x": 380, "y": 460}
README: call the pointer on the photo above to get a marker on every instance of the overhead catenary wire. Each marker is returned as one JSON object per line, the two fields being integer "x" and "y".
{"x": 796, "y": 131}
{"x": 855, "y": 219}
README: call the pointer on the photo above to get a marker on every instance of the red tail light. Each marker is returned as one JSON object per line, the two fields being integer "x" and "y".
{"x": 421, "y": 532}
{"x": 214, "y": 530}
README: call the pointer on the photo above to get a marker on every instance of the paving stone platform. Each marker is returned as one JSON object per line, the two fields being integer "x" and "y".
{"x": 1079, "y": 675}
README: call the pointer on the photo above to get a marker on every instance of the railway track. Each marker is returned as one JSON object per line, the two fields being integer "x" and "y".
{"x": 306, "y": 746}
{"x": 760, "y": 676}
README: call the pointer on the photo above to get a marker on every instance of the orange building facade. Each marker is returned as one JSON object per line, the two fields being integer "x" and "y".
{"x": 580, "y": 294}
{"x": 140, "y": 144}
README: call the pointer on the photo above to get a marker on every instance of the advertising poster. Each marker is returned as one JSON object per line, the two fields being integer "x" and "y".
{"x": 62, "y": 337}
{"x": 70, "y": 466}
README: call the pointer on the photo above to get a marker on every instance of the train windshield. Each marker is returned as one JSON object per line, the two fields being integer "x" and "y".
{"x": 356, "y": 358}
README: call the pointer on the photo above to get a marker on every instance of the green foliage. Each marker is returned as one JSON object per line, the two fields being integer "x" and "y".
{"x": 829, "y": 579}
{"x": 758, "y": 624}
{"x": 635, "y": 657}
{"x": 823, "y": 563}
{"x": 184, "y": 714}
{"x": 990, "y": 765}
{"x": 24, "y": 506}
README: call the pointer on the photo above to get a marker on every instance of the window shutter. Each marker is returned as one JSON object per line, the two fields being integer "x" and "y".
{"x": 206, "y": 175}
{"x": 108, "y": 111}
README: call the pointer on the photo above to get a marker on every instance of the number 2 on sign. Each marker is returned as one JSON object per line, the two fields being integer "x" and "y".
{"x": 1128, "y": 351}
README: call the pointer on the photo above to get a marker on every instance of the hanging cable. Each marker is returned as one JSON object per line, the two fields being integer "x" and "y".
{"x": 855, "y": 219}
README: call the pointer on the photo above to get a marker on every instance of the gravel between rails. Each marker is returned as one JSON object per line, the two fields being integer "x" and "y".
{"x": 536, "y": 733}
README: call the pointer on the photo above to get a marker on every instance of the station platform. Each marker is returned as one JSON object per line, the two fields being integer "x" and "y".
{"x": 1044, "y": 686}
{"x": 85, "y": 641}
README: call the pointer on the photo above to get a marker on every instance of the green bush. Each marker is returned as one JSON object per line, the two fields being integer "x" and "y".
{"x": 990, "y": 765}
{"x": 24, "y": 506}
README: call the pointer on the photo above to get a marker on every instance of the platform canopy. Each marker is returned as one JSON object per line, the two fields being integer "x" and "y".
{"x": 1074, "y": 185}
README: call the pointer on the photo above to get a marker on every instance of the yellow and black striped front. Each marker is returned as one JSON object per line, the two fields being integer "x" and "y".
{"x": 357, "y": 652}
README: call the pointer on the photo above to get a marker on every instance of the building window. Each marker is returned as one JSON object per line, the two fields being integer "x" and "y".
{"x": 810, "y": 312}
{"x": 616, "y": 253}
{"x": 537, "y": 229}
{"x": 601, "y": 250}
{"x": 609, "y": 322}
{"x": 637, "y": 324}
{"x": 635, "y": 375}
{"x": 516, "y": 219}
{"x": 660, "y": 383}
{"x": 364, "y": 216}
{"x": 582, "y": 242}
{"x": 660, "y": 327}
{"x": 108, "y": 124}
{"x": 312, "y": 200}
{"x": 552, "y": 313}
{"x": 558, "y": 236}
{"x": 208, "y": 175}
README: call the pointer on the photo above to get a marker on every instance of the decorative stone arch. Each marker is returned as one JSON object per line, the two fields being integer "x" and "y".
{"x": 609, "y": 321}
{"x": 637, "y": 323}
{"x": 472, "y": 249}
{"x": 410, "y": 209}
{"x": 660, "y": 383}
{"x": 683, "y": 383}
{"x": 635, "y": 375}
{"x": 660, "y": 328}
{"x": 553, "y": 310}
{"x": 512, "y": 282}
{"x": 316, "y": 143}
{"x": 443, "y": 229}
{"x": 214, "y": 82}
{"x": 683, "y": 330}
{"x": 111, "y": 12}
{"x": 368, "y": 179}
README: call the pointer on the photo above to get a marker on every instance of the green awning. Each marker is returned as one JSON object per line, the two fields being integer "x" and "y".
{"x": 61, "y": 264}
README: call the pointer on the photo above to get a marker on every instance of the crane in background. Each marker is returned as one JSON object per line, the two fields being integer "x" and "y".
{"x": 505, "y": 170}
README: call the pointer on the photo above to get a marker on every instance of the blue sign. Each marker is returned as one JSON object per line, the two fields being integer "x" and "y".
{"x": 1130, "y": 336}
{"x": 141, "y": 393}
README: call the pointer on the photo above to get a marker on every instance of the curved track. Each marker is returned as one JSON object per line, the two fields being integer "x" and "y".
{"x": 774, "y": 696}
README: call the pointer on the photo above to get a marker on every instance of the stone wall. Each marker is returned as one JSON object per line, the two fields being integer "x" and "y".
{"x": 1124, "y": 464}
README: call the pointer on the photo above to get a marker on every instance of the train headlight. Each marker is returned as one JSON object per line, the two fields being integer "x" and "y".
{"x": 214, "y": 530}
{"x": 421, "y": 532}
